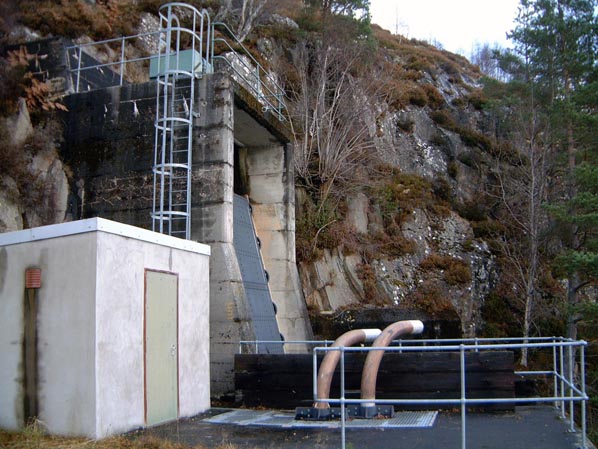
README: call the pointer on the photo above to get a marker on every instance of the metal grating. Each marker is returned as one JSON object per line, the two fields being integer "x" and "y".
{"x": 260, "y": 418}
{"x": 261, "y": 308}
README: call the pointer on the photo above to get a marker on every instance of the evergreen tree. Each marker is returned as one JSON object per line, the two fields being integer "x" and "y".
{"x": 558, "y": 39}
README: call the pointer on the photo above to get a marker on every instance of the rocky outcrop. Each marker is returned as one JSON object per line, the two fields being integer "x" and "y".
{"x": 10, "y": 212}
{"x": 448, "y": 272}
{"x": 447, "y": 276}
{"x": 48, "y": 171}
{"x": 35, "y": 192}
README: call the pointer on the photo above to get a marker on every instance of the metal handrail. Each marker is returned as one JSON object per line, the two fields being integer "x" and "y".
{"x": 122, "y": 62}
{"x": 256, "y": 343}
{"x": 273, "y": 98}
{"x": 413, "y": 342}
{"x": 260, "y": 82}
{"x": 565, "y": 387}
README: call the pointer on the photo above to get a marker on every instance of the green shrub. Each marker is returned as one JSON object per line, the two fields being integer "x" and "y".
{"x": 442, "y": 189}
{"x": 313, "y": 231}
{"x": 474, "y": 139}
{"x": 438, "y": 140}
{"x": 400, "y": 195}
{"x": 487, "y": 229}
{"x": 471, "y": 159}
{"x": 468, "y": 136}
{"x": 417, "y": 96}
{"x": 472, "y": 210}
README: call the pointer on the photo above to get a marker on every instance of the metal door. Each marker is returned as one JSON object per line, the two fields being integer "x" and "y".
{"x": 161, "y": 347}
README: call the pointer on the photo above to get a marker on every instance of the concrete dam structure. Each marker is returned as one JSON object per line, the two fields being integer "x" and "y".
{"x": 239, "y": 148}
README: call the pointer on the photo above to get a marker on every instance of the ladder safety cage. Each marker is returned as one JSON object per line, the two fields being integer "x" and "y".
{"x": 258, "y": 81}
{"x": 175, "y": 71}
{"x": 185, "y": 40}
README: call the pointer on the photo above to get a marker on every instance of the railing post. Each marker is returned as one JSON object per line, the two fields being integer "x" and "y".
{"x": 571, "y": 404}
{"x": 562, "y": 377}
{"x": 463, "y": 398}
{"x": 279, "y": 105}
{"x": 343, "y": 430}
{"x": 258, "y": 85}
{"x": 79, "y": 69}
{"x": 582, "y": 371}
{"x": 554, "y": 372}
{"x": 315, "y": 373}
{"x": 122, "y": 60}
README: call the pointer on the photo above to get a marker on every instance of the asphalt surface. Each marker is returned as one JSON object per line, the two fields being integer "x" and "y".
{"x": 526, "y": 428}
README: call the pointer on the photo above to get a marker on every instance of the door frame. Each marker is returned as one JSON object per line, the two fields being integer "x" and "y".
{"x": 178, "y": 402}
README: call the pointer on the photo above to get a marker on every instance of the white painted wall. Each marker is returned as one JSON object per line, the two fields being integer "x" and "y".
{"x": 66, "y": 331}
{"x": 90, "y": 326}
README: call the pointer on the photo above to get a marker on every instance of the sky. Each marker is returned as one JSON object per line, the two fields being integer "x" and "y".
{"x": 457, "y": 24}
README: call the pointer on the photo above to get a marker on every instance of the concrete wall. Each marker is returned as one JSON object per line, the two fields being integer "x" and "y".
{"x": 110, "y": 148}
{"x": 212, "y": 223}
{"x": 109, "y": 145}
{"x": 271, "y": 190}
{"x": 90, "y": 324}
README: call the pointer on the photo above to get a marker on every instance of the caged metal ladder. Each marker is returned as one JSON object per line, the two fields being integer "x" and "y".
{"x": 175, "y": 103}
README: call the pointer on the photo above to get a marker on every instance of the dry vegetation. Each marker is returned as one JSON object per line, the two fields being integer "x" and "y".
{"x": 34, "y": 437}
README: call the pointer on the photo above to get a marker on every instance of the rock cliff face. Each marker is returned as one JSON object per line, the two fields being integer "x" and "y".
{"x": 36, "y": 191}
{"x": 447, "y": 276}
{"x": 448, "y": 272}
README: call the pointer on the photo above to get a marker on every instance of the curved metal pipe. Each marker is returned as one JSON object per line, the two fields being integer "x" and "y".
{"x": 328, "y": 365}
{"x": 373, "y": 359}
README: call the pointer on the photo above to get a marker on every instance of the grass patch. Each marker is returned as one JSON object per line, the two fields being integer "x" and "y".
{"x": 34, "y": 437}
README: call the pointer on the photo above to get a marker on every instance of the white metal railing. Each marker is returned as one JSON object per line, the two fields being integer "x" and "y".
{"x": 118, "y": 68}
{"x": 567, "y": 389}
{"x": 249, "y": 71}
{"x": 254, "y": 345}
{"x": 256, "y": 79}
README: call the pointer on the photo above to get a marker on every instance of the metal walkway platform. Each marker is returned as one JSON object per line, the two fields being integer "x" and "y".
{"x": 286, "y": 420}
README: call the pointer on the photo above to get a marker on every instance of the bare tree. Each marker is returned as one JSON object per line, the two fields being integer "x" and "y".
{"x": 333, "y": 113}
{"x": 522, "y": 189}
{"x": 487, "y": 59}
{"x": 242, "y": 15}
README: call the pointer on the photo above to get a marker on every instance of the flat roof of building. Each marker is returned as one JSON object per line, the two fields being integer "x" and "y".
{"x": 98, "y": 224}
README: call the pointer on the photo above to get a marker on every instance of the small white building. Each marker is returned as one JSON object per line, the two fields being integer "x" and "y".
{"x": 122, "y": 326}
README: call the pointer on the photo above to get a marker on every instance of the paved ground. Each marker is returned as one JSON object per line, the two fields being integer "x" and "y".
{"x": 527, "y": 428}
